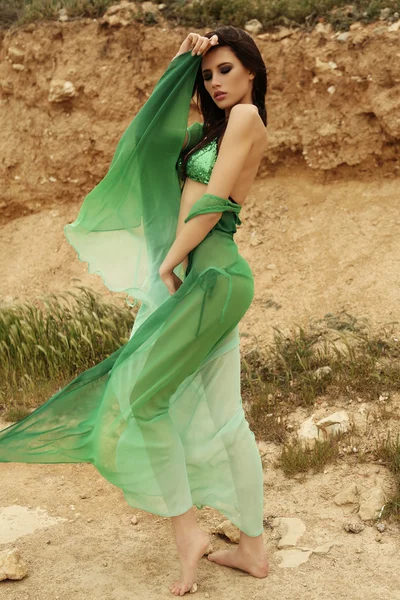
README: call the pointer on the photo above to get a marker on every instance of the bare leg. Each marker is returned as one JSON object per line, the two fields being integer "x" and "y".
{"x": 192, "y": 543}
{"x": 250, "y": 556}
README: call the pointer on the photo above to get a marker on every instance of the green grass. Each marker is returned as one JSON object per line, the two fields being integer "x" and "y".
{"x": 297, "y": 457}
{"x": 44, "y": 346}
{"x": 210, "y": 13}
{"x": 361, "y": 364}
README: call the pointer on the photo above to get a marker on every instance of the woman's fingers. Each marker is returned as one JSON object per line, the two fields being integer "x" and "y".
{"x": 202, "y": 44}
{"x": 197, "y": 45}
{"x": 172, "y": 282}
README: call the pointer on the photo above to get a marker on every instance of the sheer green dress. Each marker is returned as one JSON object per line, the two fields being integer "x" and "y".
{"x": 161, "y": 417}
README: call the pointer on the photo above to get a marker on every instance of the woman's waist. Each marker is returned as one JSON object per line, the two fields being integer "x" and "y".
{"x": 218, "y": 250}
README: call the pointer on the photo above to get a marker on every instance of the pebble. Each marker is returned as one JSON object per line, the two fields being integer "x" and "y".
{"x": 134, "y": 520}
{"x": 353, "y": 527}
{"x": 381, "y": 527}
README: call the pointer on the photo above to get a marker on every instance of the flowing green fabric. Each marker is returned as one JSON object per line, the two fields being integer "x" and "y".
{"x": 161, "y": 417}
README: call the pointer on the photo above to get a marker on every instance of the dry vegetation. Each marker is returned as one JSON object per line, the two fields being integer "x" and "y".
{"x": 44, "y": 345}
{"x": 208, "y": 13}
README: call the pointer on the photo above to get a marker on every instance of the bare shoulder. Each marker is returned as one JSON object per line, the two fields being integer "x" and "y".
{"x": 243, "y": 114}
{"x": 245, "y": 118}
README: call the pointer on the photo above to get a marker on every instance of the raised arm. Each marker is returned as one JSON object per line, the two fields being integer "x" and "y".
{"x": 235, "y": 147}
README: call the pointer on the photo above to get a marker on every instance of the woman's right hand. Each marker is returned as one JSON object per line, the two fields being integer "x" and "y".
{"x": 197, "y": 43}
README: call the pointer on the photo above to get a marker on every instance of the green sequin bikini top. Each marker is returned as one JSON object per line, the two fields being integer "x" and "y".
{"x": 200, "y": 164}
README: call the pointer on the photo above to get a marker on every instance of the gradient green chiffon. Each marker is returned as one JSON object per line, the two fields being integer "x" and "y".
{"x": 162, "y": 417}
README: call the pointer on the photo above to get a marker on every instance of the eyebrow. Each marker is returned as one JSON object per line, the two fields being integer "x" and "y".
{"x": 220, "y": 65}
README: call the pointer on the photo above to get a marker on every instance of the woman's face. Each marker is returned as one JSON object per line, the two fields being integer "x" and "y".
{"x": 222, "y": 71}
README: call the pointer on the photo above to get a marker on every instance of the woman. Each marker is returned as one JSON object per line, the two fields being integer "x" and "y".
{"x": 162, "y": 417}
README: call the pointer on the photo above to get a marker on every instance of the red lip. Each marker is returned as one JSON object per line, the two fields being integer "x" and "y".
{"x": 219, "y": 94}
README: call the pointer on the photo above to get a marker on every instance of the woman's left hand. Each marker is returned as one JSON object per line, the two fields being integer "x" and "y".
{"x": 172, "y": 282}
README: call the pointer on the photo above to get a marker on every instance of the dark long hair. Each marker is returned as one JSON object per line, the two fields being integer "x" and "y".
{"x": 215, "y": 122}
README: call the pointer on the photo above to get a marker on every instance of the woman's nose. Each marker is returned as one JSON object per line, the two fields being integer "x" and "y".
{"x": 215, "y": 82}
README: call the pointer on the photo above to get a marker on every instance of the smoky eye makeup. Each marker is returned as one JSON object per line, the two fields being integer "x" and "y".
{"x": 223, "y": 70}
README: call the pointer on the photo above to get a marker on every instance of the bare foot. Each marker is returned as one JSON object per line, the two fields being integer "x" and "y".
{"x": 190, "y": 550}
{"x": 238, "y": 559}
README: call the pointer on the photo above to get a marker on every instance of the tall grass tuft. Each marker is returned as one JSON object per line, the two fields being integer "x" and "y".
{"x": 388, "y": 451}
{"x": 43, "y": 347}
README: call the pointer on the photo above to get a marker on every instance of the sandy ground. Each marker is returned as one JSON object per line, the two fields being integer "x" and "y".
{"x": 96, "y": 553}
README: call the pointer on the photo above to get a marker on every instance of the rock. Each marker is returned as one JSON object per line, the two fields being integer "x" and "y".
{"x": 134, "y": 520}
{"x": 63, "y": 15}
{"x": 229, "y": 530}
{"x": 343, "y": 37}
{"x": 353, "y": 526}
{"x": 338, "y": 422}
{"x": 333, "y": 424}
{"x": 18, "y": 67}
{"x": 119, "y": 15}
{"x": 283, "y": 33}
{"x": 371, "y": 503}
{"x": 193, "y": 589}
{"x": 61, "y": 90}
{"x": 331, "y": 89}
{"x": 308, "y": 430}
{"x": 394, "y": 26}
{"x": 11, "y": 565}
{"x": 16, "y": 55}
{"x": 350, "y": 495}
{"x": 324, "y": 549}
{"x": 324, "y": 28}
{"x": 253, "y": 26}
{"x": 293, "y": 558}
{"x": 380, "y": 527}
{"x": 385, "y": 14}
{"x": 290, "y": 530}
{"x": 325, "y": 66}
{"x": 384, "y": 396}
{"x": 322, "y": 372}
